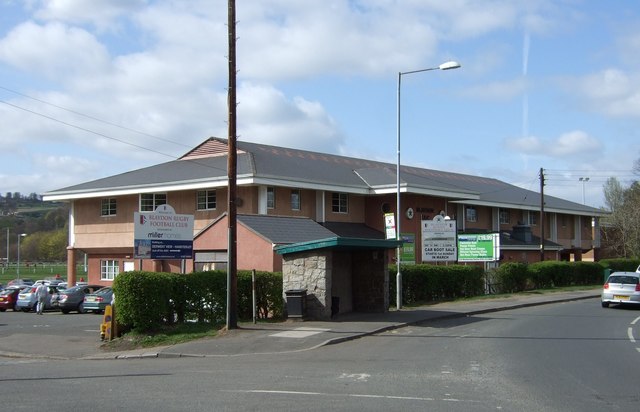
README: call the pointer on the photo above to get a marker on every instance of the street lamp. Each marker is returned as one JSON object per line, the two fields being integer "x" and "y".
{"x": 21, "y": 235}
{"x": 583, "y": 180}
{"x": 444, "y": 66}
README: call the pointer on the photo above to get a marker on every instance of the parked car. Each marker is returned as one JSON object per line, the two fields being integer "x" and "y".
{"x": 621, "y": 287}
{"x": 72, "y": 299}
{"x": 96, "y": 302}
{"x": 9, "y": 298}
{"x": 27, "y": 299}
{"x": 20, "y": 282}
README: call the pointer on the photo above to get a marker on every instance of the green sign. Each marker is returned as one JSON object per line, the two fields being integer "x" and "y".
{"x": 479, "y": 247}
{"x": 408, "y": 251}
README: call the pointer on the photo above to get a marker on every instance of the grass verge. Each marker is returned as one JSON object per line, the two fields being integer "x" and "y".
{"x": 166, "y": 336}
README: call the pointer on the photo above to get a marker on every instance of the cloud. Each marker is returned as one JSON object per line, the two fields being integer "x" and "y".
{"x": 62, "y": 52}
{"x": 100, "y": 13}
{"x": 574, "y": 143}
{"x": 266, "y": 115}
{"x": 612, "y": 92}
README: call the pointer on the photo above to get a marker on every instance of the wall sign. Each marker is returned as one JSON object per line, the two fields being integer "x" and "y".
{"x": 163, "y": 234}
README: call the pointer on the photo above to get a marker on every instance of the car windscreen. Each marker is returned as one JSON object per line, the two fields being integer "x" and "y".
{"x": 73, "y": 289}
{"x": 103, "y": 291}
{"x": 629, "y": 280}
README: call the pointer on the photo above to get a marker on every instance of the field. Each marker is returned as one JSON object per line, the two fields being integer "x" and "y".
{"x": 36, "y": 271}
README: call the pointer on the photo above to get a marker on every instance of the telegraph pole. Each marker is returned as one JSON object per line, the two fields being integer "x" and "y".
{"x": 541, "y": 214}
{"x": 232, "y": 269}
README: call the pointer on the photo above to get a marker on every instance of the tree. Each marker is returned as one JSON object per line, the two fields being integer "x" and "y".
{"x": 621, "y": 229}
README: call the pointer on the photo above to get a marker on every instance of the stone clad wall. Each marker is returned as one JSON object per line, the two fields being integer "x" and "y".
{"x": 310, "y": 271}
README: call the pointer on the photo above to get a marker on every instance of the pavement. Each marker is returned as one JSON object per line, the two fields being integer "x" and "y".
{"x": 301, "y": 335}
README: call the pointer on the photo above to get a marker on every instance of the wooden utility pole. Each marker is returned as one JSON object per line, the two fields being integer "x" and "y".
{"x": 232, "y": 269}
{"x": 541, "y": 214}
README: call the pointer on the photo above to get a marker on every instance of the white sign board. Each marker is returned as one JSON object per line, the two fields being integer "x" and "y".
{"x": 390, "y": 225}
{"x": 439, "y": 240}
{"x": 163, "y": 234}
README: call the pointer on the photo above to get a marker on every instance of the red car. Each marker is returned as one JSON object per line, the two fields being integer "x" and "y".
{"x": 9, "y": 297}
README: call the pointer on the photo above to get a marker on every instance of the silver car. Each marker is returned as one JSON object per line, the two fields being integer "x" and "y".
{"x": 621, "y": 287}
{"x": 28, "y": 301}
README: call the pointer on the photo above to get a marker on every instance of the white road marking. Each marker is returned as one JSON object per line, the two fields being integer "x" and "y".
{"x": 630, "y": 334}
{"x": 299, "y": 333}
{"x": 360, "y": 377}
{"x": 635, "y": 320}
{"x": 351, "y": 395}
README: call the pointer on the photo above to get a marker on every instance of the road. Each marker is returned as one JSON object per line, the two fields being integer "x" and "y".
{"x": 573, "y": 356}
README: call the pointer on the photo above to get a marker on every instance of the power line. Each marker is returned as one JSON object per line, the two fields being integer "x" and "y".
{"x": 84, "y": 129}
{"x": 90, "y": 117}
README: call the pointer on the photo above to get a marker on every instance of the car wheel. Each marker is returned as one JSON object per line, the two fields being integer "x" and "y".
{"x": 65, "y": 311}
{"x": 26, "y": 310}
{"x": 605, "y": 304}
{"x": 80, "y": 307}
{"x": 2, "y": 309}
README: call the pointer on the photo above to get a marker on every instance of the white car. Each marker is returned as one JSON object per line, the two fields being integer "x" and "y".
{"x": 622, "y": 288}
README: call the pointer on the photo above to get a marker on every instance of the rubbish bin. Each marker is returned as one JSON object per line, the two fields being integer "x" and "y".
{"x": 296, "y": 302}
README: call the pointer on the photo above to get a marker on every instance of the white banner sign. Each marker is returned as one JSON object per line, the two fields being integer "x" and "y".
{"x": 163, "y": 234}
{"x": 439, "y": 240}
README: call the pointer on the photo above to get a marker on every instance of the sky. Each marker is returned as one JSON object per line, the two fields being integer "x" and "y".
{"x": 90, "y": 89}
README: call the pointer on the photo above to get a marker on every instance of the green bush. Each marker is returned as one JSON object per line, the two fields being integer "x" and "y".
{"x": 428, "y": 283}
{"x": 142, "y": 299}
{"x": 620, "y": 265}
{"x": 512, "y": 277}
{"x": 148, "y": 300}
{"x": 588, "y": 273}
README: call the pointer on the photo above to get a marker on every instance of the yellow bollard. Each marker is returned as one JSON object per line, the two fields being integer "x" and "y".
{"x": 106, "y": 325}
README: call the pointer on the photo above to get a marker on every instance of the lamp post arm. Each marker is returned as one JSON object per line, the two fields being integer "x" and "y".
{"x": 444, "y": 66}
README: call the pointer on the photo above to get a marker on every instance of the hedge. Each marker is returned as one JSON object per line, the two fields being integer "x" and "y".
{"x": 621, "y": 265}
{"x": 428, "y": 283}
{"x": 148, "y": 300}
{"x": 517, "y": 277}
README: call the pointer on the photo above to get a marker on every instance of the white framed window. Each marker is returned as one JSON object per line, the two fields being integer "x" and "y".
{"x": 108, "y": 207}
{"x": 533, "y": 218}
{"x": 109, "y": 269}
{"x": 505, "y": 216}
{"x": 295, "y": 199}
{"x": 271, "y": 198}
{"x": 149, "y": 202}
{"x": 339, "y": 203}
{"x": 471, "y": 214}
{"x": 206, "y": 200}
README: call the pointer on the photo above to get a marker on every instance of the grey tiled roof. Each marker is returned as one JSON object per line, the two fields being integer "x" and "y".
{"x": 284, "y": 229}
{"x": 353, "y": 230}
{"x": 304, "y": 169}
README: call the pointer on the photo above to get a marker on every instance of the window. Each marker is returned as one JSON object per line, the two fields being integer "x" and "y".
{"x": 271, "y": 198}
{"x": 295, "y": 199}
{"x": 149, "y": 202}
{"x": 206, "y": 200}
{"x": 108, "y": 207}
{"x": 109, "y": 269}
{"x": 339, "y": 203}
{"x": 505, "y": 217}
{"x": 471, "y": 213}
{"x": 533, "y": 218}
